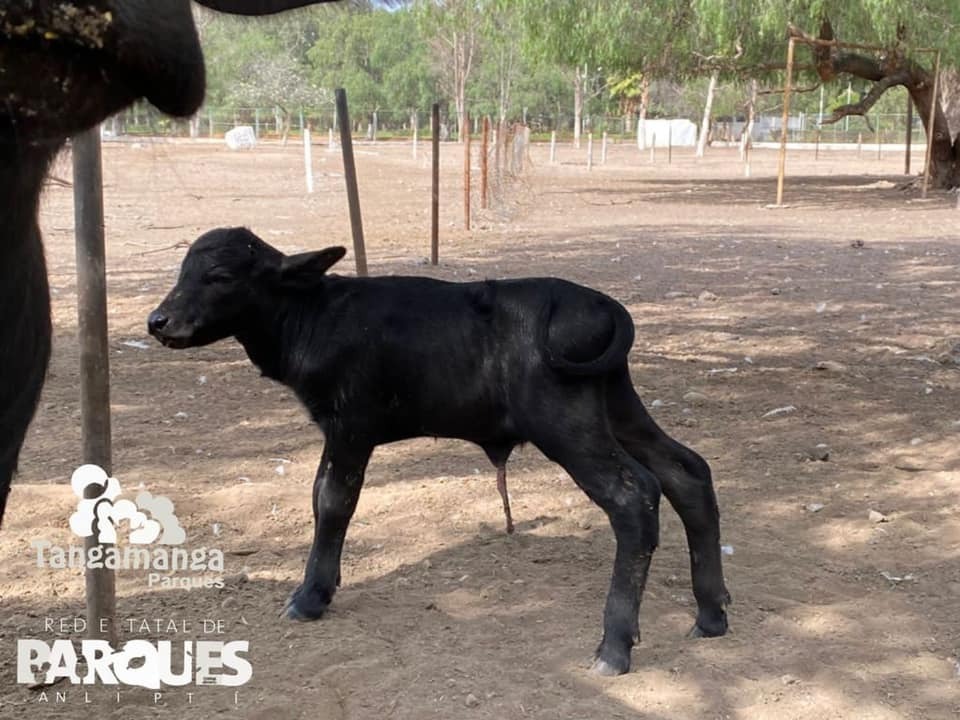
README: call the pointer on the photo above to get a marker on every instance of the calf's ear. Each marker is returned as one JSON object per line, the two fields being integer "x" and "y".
{"x": 306, "y": 269}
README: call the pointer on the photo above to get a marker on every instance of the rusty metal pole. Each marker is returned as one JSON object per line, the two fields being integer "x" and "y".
{"x": 782, "y": 166}
{"x": 94, "y": 359}
{"x": 931, "y": 134}
{"x": 350, "y": 177}
{"x": 466, "y": 171}
{"x": 435, "y": 185}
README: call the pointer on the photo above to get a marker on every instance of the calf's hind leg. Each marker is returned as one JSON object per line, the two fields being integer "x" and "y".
{"x": 336, "y": 490}
{"x": 630, "y": 496}
{"x": 685, "y": 479}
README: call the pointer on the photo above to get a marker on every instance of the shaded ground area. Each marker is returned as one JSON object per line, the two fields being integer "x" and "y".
{"x": 809, "y": 353}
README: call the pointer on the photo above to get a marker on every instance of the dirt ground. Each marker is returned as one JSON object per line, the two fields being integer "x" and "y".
{"x": 441, "y": 614}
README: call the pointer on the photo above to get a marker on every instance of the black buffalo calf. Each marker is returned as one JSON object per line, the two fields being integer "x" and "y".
{"x": 497, "y": 363}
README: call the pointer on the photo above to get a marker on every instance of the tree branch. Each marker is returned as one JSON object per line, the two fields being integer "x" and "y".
{"x": 779, "y": 91}
{"x": 868, "y": 100}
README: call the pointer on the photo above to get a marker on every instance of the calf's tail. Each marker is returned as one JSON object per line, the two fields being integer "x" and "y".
{"x": 572, "y": 337}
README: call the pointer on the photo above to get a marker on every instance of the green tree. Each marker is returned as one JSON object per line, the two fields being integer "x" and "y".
{"x": 378, "y": 57}
{"x": 509, "y": 81}
{"x": 261, "y": 64}
{"x": 756, "y": 37}
{"x": 453, "y": 31}
{"x": 612, "y": 39}
{"x": 734, "y": 39}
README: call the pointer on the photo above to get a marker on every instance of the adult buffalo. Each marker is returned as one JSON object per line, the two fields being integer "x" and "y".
{"x": 64, "y": 67}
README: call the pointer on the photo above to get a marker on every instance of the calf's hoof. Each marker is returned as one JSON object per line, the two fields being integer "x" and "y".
{"x": 708, "y": 625}
{"x": 605, "y": 669}
{"x": 306, "y": 604}
{"x": 610, "y": 661}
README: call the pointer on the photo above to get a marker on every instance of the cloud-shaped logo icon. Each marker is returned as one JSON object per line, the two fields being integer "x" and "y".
{"x": 151, "y": 518}
{"x": 161, "y": 510}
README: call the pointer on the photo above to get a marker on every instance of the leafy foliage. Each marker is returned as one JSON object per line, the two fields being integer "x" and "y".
{"x": 377, "y": 57}
{"x": 526, "y": 51}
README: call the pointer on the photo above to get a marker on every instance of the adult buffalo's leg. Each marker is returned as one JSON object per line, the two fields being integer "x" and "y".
{"x": 25, "y": 328}
{"x": 630, "y": 495}
{"x": 685, "y": 479}
{"x": 336, "y": 490}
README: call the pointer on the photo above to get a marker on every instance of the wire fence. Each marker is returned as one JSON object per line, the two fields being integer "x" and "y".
{"x": 385, "y": 125}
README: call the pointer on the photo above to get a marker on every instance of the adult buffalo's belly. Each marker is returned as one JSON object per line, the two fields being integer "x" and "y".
{"x": 257, "y": 7}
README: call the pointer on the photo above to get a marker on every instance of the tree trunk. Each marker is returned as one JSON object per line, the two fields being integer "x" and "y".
{"x": 579, "y": 81}
{"x": 707, "y": 115}
{"x": 642, "y": 115}
{"x": 950, "y": 96}
{"x": 286, "y": 120}
{"x": 746, "y": 139}
{"x": 894, "y": 69}
{"x": 506, "y": 80}
{"x": 463, "y": 47}
{"x": 455, "y": 46}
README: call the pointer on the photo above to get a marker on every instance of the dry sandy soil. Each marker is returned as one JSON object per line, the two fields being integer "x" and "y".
{"x": 441, "y": 614}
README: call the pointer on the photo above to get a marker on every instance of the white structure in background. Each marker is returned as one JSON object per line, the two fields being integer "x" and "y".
{"x": 241, "y": 137}
{"x": 766, "y": 128}
{"x": 678, "y": 132}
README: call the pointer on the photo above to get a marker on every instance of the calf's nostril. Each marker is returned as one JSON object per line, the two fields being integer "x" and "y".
{"x": 157, "y": 321}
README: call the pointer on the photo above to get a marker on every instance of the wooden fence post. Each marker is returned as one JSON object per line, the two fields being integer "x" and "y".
{"x": 435, "y": 184}
{"x": 94, "y": 359}
{"x": 484, "y": 163}
{"x": 308, "y": 158}
{"x": 415, "y": 121}
{"x": 909, "y": 138}
{"x": 782, "y": 163}
{"x": 466, "y": 171}
{"x": 350, "y": 177}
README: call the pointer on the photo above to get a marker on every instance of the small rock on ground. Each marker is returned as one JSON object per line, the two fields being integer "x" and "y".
{"x": 830, "y": 365}
{"x": 877, "y": 517}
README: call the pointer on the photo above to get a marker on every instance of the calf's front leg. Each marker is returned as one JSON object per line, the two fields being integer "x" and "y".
{"x": 336, "y": 490}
